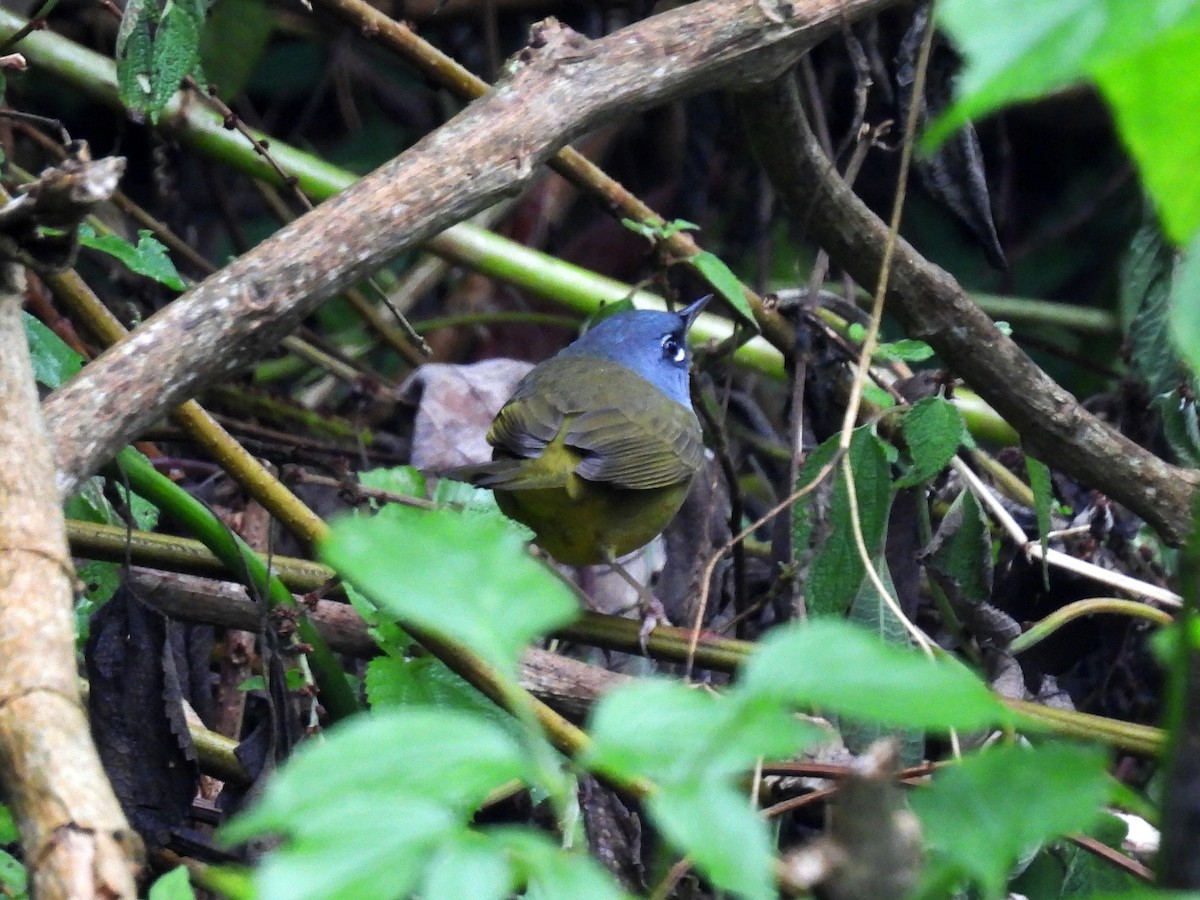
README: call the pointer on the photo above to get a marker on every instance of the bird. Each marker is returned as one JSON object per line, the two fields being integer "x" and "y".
{"x": 598, "y": 445}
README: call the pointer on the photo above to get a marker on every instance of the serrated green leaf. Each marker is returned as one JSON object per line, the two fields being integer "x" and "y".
{"x": 716, "y": 826}
{"x": 906, "y": 350}
{"x": 174, "y": 885}
{"x": 426, "y": 681}
{"x": 1145, "y": 293}
{"x": 981, "y": 815}
{"x": 1185, "y": 308}
{"x": 148, "y": 258}
{"x": 959, "y": 558}
{"x": 135, "y": 52}
{"x": 728, "y": 285}
{"x": 408, "y": 481}
{"x": 176, "y": 52}
{"x": 53, "y": 361}
{"x": 837, "y": 571}
{"x": 934, "y": 430}
{"x": 832, "y": 665}
{"x": 465, "y": 577}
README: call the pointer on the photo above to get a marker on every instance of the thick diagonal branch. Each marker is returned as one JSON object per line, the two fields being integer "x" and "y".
{"x": 558, "y": 88}
{"x": 932, "y": 307}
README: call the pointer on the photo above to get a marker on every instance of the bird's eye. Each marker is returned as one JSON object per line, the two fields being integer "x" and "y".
{"x": 673, "y": 348}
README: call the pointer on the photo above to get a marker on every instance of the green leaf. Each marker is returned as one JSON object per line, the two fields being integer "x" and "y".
{"x": 906, "y": 350}
{"x": 53, "y": 361}
{"x": 1020, "y": 49}
{"x": 550, "y": 872}
{"x": 717, "y": 827}
{"x": 696, "y": 734}
{"x": 728, "y": 285}
{"x": 134, "y": 53}
{"x": 407, "y": 481}
{"x": 959, "y": 558}
{"x": 364, "y": 810}
{"x": 13, "y": 877}
{"x": 1185, "y": 308}
{"x": 173, "y": 886}
{"x": 933, "y": 429}
{"x": 835, "y": 666}
{"x": 472, "y": 865}
{"x": 1141, "y": 55}
{"x": 235, "y": 35}
{"x": 426, "y": 681}
{"x": 465, "y": 577}
{"x": 148, "y": 258}
{"x": 837, "y": 569}
{"x": 9, "y": 833}
{"x": 981, "y": 815}
{"x": 176, "y": 52}
{"x": 1149, "y": 89}
{"x": 869, "y": 611}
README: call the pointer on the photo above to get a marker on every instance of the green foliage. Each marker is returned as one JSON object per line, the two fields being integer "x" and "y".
{"x": 830, "y": 665}
{"x": 703, "y": 742}
{"x": 933, "y": 430}
{"x": 959, "y": 557}
{"x": 53, "y": 361}
{"x": 1139, "y": 54}
{"x": 455, "y": 574}
{"x": 711, "y": 266}
{"x": 369, "y": 829}
{"x": 837, "y": 570}
{"x": 1043, "y": 503}
{"x": 1019, "y": 797}
{"x": 174, "y": 885}
{"x": 148, "y": 258}
{"x": 1185, "y": 315}
{"x": 156, "y": 49}
{"x": 903, "y": 350}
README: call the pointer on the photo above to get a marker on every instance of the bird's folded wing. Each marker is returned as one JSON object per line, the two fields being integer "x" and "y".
{"x": 526, "y": 425}
{"x": 509, "y": 475}
{"x": 651, "y": 450}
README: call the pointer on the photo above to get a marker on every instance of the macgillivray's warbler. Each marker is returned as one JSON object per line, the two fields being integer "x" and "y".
{"x": 598, "y": 445}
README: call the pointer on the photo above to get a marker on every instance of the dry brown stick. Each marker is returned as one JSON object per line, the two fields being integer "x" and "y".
{"x": 76, "y": 840}
{"x": 933, "y": 308}
{"x": 558, "y": 88}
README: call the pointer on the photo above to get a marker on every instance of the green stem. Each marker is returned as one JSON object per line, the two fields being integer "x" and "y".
{"x": 1089, "y": 607}
{"x": 335, "y": 692}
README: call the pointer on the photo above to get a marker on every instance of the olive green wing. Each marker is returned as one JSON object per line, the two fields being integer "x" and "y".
{"x": 643, "y": 448}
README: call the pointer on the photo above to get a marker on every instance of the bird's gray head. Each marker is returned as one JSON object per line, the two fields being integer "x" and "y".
{"x": 652, "y": 344}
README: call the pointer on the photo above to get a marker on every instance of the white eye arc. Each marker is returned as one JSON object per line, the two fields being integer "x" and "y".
{"x": 673, "y": 348}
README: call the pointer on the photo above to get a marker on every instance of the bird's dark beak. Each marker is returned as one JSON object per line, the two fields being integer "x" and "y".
{"x": 690, "y": 313}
